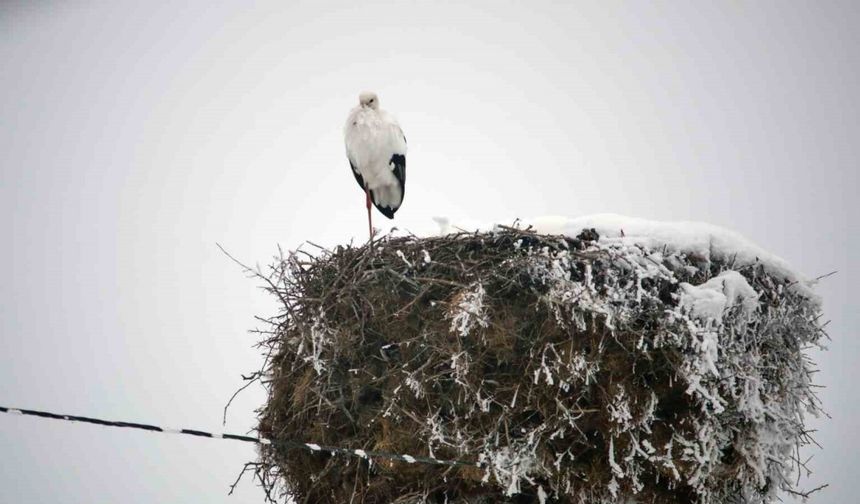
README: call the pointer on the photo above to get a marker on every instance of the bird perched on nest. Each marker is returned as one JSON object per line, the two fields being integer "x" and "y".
{"x": 376, "y": 148}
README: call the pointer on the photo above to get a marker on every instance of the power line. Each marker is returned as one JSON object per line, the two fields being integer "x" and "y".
{"x": 313, "y": 447}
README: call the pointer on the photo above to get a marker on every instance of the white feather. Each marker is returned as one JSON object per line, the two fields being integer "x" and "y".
{"x": 372, "y": 136}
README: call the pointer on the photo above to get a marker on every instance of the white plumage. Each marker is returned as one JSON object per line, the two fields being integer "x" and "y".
{"x": 376, "y": 148}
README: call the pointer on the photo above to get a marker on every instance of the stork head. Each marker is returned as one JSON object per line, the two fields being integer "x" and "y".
{"x": 368, "y": 100}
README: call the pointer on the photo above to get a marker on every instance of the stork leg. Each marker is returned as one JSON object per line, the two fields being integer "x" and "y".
{"x": 369, "y": 220}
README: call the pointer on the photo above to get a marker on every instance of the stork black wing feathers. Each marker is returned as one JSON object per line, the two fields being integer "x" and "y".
{"x": 399, "y": 169}
{"x": 358, "y": 177}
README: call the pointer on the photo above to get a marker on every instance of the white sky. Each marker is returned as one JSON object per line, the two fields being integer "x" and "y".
{"x": 136, "y": 135}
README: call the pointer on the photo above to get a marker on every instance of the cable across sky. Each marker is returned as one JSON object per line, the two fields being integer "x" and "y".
{"x": 313, "y": 447}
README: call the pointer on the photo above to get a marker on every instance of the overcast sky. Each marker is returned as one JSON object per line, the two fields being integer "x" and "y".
{"x": 136, "y": 135}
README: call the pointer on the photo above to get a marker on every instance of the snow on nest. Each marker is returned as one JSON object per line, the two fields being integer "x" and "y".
{"x": 709, "y": 300}
{"x": 701, "y": 241}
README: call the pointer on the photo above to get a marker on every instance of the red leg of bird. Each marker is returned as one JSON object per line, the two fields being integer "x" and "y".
{"x": 369, "y": 220}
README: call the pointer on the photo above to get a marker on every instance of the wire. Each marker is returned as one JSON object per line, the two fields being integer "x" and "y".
{"x": 334, "y": 450}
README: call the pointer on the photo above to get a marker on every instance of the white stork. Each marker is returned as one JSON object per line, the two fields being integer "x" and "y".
{"x": 376, "y": 149}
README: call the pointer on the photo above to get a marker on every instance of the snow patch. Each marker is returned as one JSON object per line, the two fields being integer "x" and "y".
{"x": 468, "y": 311}
{"x": 711, "y": 299}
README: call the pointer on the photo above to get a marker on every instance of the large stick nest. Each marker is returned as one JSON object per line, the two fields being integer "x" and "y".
{"x": 567, "y": 369}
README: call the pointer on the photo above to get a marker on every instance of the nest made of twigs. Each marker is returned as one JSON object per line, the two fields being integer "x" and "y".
{"x": 566, "y": 368}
